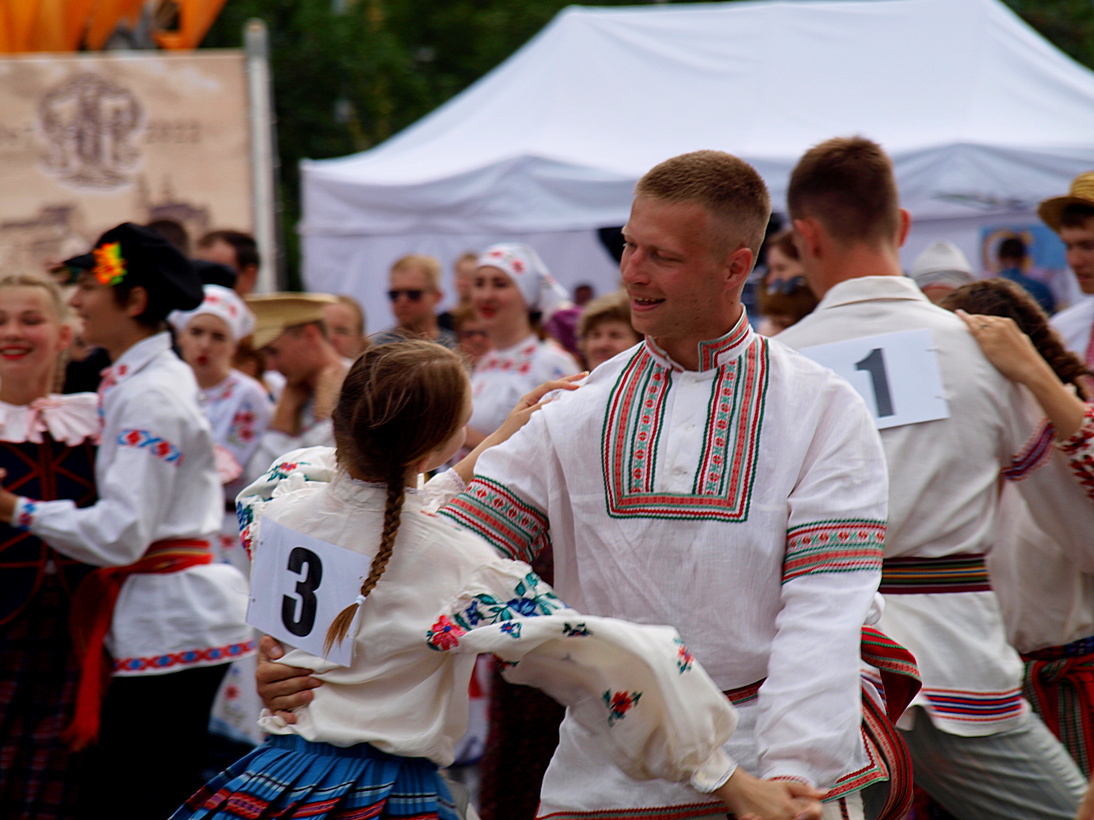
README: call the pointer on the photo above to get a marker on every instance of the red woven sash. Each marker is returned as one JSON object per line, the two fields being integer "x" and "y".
{"x": 93, "y": 613}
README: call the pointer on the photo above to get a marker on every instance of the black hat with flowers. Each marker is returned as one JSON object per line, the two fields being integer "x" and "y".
{"x": 131, "y": 255}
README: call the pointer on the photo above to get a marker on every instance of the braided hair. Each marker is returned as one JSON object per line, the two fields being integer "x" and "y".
{"x": 399, "y": 402}
{"x": 1001, "y": 297}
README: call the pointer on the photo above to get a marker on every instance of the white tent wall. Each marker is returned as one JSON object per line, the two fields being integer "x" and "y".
{"x": 982, "y": 117}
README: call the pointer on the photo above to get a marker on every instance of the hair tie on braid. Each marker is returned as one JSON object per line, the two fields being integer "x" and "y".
{"x": 360, "y": 599}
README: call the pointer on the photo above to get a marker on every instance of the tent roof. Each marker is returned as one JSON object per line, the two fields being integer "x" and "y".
{"x": 979, "y": 113}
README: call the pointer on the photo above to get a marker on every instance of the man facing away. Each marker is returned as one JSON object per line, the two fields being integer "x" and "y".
{"x": 1072, "y": 217}
{"x": 291, "y": 335}
{"x": 712, "y": 480}
{"x": 415, "y": 292}
{"x": 975, "y": 745}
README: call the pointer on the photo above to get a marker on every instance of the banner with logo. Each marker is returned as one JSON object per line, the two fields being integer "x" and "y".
{"x": 89, "y": 141}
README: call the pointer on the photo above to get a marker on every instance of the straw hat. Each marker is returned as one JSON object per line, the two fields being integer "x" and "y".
{"x": 277, "y": 312}
{"x": 1082, "y": 193}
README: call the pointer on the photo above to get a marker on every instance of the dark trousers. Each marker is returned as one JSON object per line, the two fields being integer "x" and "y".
{"x": 153, "y": 744}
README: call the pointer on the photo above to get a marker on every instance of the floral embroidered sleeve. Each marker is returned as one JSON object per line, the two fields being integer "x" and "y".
{"x": 294, "y": 470}
{"x": 1079, "y": 450}
{"x": 636, "y": 689}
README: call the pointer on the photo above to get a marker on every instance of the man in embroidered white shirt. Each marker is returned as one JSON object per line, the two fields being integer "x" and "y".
{"x": 975, "y": 746}
{"x": 711, "y": 480}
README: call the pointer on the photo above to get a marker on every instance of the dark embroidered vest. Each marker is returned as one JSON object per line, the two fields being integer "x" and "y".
{"x": 46, "y": 471}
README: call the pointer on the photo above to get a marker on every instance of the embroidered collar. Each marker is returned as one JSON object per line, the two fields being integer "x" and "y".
{"x": 135, "y": 359}
{"x": 871, "y": 288}
{"x": 713, "y": 353}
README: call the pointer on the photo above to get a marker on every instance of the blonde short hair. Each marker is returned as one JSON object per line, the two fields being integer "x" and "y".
{"x": 728, "y": 187}
{"x": 429, "y": 265}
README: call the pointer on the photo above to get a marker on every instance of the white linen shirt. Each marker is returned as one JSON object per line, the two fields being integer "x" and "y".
{"x": 943, "y": 500}
{"x": 743, "y": 504}
{"x": 447, "y": 596}
{"x": 502, "y": 376}
{"x": 1076, "y": 326}
{"x": 156, "y": 480}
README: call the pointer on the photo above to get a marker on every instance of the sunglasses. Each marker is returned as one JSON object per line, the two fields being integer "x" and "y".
{"x": 786, "y": 286}
{"x": 413, "y": 295}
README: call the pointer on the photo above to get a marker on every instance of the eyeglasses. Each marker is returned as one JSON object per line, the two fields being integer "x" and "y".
{"x": 413, "y": 295}
{"x": 786, "y": 286}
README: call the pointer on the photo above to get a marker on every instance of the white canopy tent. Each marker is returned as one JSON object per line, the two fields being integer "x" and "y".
{"x": 982, "y": 116}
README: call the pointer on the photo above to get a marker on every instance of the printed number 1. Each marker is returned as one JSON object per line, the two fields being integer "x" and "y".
{"x": 303, "y": 623}
{"x": 874, "y": 364}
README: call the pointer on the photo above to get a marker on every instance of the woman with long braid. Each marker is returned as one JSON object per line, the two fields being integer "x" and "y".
{"x": 370, "y": 741}
{"x": 1042, "y": 567}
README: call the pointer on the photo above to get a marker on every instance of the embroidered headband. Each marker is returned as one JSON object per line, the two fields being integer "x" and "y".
{"x": 221, "y": 302}
{"x": 522, "y": 264}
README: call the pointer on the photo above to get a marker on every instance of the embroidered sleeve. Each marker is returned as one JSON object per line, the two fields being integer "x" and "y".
{"x": 251, "y": 412}
{"x": 1079, "y": 450}
{"x": 506, "y": 501}
{"x": 833, "y": 546}
{"x": 637, "y": 690}
{"x": 292, "y": 471}
{"x": 1033, "y": 454}
{"x": 143, "y": 450}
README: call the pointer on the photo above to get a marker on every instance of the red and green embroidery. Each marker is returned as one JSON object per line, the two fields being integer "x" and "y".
{"x": 513, "y": 525}
{"x": 619, "y": 704}
{"x": 722, "y": 486}
{"x": 444, "y": 635}
{"x": 575, "y": 630}
{"x": 833, "y": 546}
{"x": 684, "y": 658}
{"x": 530, "y": 599}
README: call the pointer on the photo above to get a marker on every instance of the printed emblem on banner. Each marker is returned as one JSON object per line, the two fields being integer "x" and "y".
{"x": 299, "y": 584}
{"x": 89, "y": 125}
{"x": 897, "y": 374}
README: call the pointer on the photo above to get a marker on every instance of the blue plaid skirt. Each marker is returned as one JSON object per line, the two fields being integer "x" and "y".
{"x": 289, "y": 777}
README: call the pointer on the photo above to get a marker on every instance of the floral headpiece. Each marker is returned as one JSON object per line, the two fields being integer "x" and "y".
{"x": 109, "y": 264}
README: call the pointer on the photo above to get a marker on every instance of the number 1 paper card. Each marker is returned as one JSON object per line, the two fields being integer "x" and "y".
{"x": 897, "y": 374}
{"x": 299, "y": 584}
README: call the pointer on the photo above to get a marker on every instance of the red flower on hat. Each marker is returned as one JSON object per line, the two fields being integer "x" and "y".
{"x": 109, "y": 264}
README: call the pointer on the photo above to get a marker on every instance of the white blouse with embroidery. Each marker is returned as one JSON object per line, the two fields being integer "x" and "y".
{"x": 1042, "y": 566}
{"x": 502, "y": 376}
{"x": 446, "y": 596}
{"x": 239, "y": 411}
{"x": 156, "y": 480}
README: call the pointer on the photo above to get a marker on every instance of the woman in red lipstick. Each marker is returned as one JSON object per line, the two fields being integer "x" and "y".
{"x": 47, "y": 448}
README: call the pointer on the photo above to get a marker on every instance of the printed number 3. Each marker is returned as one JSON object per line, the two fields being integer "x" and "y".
{"x": 874, "y": 364}
{"x": 303, "y": 562}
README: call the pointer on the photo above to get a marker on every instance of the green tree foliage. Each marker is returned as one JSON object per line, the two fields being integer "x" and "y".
{"x": 1068, "y": 24}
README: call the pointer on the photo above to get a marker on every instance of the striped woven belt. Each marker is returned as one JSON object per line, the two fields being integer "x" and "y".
{"x": 950, "y": 573}
{"x": 1075, "y": 649}
{"x": 745, "y": 693}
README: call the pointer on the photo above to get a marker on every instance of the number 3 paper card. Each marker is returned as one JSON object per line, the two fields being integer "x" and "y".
{"x": 299, "y": 584}
{"x": 897, "y": 374}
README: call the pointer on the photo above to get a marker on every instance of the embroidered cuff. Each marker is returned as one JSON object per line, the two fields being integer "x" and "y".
{"x": 23, "y": 516}
{"x": 1083, "y": 438}
{"x": 714, "y": 772}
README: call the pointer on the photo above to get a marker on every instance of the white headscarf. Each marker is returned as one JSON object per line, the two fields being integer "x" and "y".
{"x": 520, "y": 263}
{"x": 223, "y": 302}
